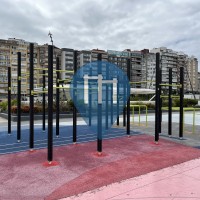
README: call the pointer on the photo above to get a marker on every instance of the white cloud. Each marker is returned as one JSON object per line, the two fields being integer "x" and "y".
{"x": 116, "y": 24}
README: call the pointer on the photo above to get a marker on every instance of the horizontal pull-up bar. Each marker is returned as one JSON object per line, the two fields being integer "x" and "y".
{"x": 41, "y": 69}
{"x": 137, "y": 82}
{"x": 41, "y": 74}
{"x": 61, "y": 87}
{"x": 173, "y": 85}
{"x": 62, "y": 70}
{"x": 38, "y": 92}
{"x": 172, "y": 96}
{"x": 75, "y": 88}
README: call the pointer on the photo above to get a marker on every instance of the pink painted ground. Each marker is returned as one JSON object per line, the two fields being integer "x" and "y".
{"x": 173, "y": 183}
{"x": 23, "y": 176}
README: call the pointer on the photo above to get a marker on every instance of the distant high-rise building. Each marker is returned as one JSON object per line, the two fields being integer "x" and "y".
{"x": 8, "y": 58}
{"x": 169, "y": 59}
{"x": 143, "y": 64}
{"x": 175, "y": 60}
{"x": 192, "y": 72}
{"x": 120, "y": 58}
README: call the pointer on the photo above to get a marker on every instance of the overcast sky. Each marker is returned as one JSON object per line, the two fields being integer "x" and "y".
{"x": 105, "y": 24}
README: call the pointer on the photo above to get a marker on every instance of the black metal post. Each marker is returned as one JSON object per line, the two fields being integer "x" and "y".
{"x": 9, "y": 100}
{"x": 128, "y": 94}
{"x": 160, "y": 104}
{"x": 181, "y": 102}
{"x": 124, "y": 109}
{"x": 19, "y": 97}
{"x": 170, "y": 104}
{"x": 50, "y": 103}
{"x": 117, "y": 104}
{"x": 90, "y": 101}
{"x": 74, "y": 108}
{"x": 107, "y": 99}
{"x": 157, "y": 99}
{"x": 57, "y": 98}
{"x": 99, "y": 134}
{"x": 44, "y": 101}
{"x": 31, "y": 88}
{"x": 111, "y": 105}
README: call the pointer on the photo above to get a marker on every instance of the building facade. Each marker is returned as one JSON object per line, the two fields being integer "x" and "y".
{"x": 143, "y": 64}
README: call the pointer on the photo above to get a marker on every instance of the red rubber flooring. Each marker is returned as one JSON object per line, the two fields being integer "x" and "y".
{"x": 23, "y": 176}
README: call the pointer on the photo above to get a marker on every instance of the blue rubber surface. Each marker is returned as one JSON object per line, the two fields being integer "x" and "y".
{"x": 9, "y": 144}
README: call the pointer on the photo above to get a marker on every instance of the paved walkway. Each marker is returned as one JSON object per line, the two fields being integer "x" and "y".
{"x": 173, "y": 183}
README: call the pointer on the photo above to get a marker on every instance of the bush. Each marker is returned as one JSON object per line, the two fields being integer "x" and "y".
{"x": 14, "y": 102}
{"x": 14, "y": 109}
{"x": 4, "y": 106}
{"x": 37, "y": 109}
{"x": 25, "y": 109}
{"x": 176, "y": 102}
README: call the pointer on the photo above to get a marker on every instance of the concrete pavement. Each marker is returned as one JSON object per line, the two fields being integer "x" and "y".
{"x": 173, "y": 183}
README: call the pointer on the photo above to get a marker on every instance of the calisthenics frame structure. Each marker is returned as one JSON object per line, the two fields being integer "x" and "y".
{"x": 158, "y": 101}
{"x": 49, "y": 71}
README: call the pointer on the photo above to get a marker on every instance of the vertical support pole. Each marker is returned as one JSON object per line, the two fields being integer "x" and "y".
{"x": 99, "y": 134}
{"x": 139, "y": 115}
{"x": 90, "y": 101}
{"x": 118, "y": 104}
{"x": 43, "y": 100}
{"x": 19, "y": 97}
{"x": 193, "y": 124}
{"x": 31, "y": 139}
{"x": 107, "y": 99}
{"x": 124, "y": 109}
{"x": 9, "y": 100}
{"x": 181, "y": 102}
{"x": 57, "y": 98}
{"x": 50, "y": 103}
{"x": 111, "y": 104}
{"x": 160, "y": 103}
{"x": 170, "y": 104}
{"x": 157, "y": 99}
{"x": 146, "y": 116}
{"x": 128, "y": 94}
{"x": 74, "y": 108}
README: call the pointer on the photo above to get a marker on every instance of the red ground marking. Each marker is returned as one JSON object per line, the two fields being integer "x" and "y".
{"x": 50, "y": 164}
{"x": 99, "y": 155}
{"x": 32, "y": 151}
{"x": 156, "y": 144}
{"x": 23, "y": 177}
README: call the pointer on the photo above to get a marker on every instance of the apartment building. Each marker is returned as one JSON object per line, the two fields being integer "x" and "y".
{"x": 42, "y": 62}
{"x": 199, "y": 82}
{"x": 4, "y": 64}
{"x": 149, "y": 69}
{"x": 175, "y": 60}
{"x": 142, "y": 64}
{"x": 137, "y": 72}
{"x": 169, "y": 59}
{"x": 120, "y": 58}
{"x": 67, "y": 62}
{"x": 9, "y": 49}
{"x": 8, "y": 58}
{"x": 192, "y": 72}
{"x": 84, "y": 57}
